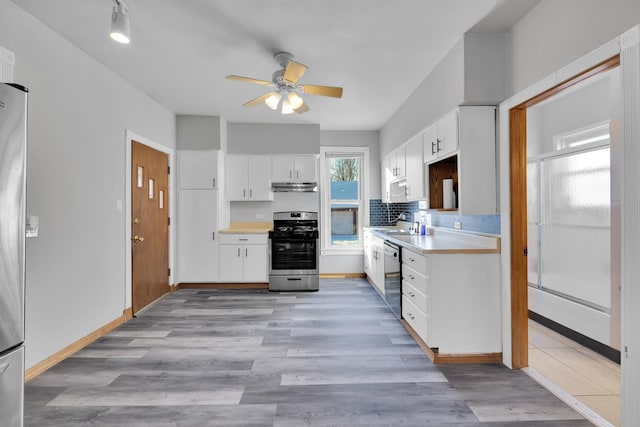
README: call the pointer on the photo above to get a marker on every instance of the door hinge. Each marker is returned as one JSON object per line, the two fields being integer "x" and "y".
{"x": 168, "y": 220}
{"x": 526, "y": 251}
{"x": 168, "y": 170}
{"x": 168, "y": 272}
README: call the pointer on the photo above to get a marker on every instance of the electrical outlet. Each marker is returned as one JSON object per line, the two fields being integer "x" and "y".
{"x": 259, "y": 216}
{"x": 457, "y": 224}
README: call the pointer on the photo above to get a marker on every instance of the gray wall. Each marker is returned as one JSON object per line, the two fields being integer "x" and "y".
{"x": 371, "y": 139}
{"x": 78, "y": 113}
{"x": 557, "y": 32}
{"x": 262, "y": 138}
{"x": 201, "y": 133}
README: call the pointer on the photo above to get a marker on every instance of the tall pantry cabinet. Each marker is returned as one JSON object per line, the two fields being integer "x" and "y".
{"x": 202, "y": 211}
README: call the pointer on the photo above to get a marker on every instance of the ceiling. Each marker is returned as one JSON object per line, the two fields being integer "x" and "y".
{"x": 181, "y": 50}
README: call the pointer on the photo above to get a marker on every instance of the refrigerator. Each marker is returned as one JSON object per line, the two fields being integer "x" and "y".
{"x": 13, "y": 141}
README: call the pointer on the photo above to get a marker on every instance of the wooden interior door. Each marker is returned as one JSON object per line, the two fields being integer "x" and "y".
{"x": 150, "y": 225}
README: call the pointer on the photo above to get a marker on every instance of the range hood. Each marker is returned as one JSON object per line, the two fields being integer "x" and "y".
{"x": 300, "y": 187}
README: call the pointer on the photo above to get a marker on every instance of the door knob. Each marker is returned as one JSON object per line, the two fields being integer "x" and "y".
{"x": 137, "y": 239}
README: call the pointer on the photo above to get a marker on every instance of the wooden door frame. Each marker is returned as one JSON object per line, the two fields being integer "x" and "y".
{"x": 129, "y": 137}
{"x": 518, "y": 208}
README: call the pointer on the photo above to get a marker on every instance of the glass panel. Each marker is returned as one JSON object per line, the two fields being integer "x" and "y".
{"x": 151, "y": 188}
{"x": 577, "y": 189}
{"x": 161, "y": 198}
{"x": 344, "y": 225}
{"x": 533, "y": 219}
{"x": 293, "y": 255}
{"x": 345, "y": 201}
{"x": 140, "y": 176}
{"x": 576, "y": 256}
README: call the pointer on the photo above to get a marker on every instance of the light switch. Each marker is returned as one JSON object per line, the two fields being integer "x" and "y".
{"x": 33, "y": 223}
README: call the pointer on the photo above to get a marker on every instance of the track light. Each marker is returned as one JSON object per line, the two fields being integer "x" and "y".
{"x": 120, "y": 23}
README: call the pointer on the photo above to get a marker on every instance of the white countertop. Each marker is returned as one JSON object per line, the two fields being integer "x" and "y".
{"x": 442, "y": 241}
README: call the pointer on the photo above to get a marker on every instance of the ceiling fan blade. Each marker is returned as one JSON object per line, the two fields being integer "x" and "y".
{"x": 302, "y": 109}
{"x": 332, "y": 91}
{"x": 249, "y": 80}
{"x": 258, "y": 100}
{"x": 294, "y": 71}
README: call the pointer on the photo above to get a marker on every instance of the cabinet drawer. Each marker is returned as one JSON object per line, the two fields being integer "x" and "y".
{"x": 415, "y": 318}
{"x": 415, "y": 296}
{"x": 243, "y": 239}
{"x": 415, "y": 261}
{"x": 417, "y": 280}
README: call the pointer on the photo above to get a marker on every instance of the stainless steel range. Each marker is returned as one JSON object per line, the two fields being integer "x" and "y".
{"x": 293, "y": 252}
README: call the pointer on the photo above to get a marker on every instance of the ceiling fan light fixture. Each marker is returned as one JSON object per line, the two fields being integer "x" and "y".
{"x": 286, "y": 106}
{"x": 273, "y": 100}
{"x": 295, "y": 100}
{"x": 120, "y": 29}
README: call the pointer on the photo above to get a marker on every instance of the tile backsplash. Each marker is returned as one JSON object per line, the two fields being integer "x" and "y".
{"x": 380, "y": 213}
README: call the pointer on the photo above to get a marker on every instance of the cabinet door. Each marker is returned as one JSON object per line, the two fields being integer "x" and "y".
{"x": 448, "y": 134}
{"x": 197, "y": 168}
{"x": 236, "y": 177}
{"x": 197, "y": 245}
{"x": 430, "y": 141}
{"x": 415, "y": 168}
{"x": 401, "y": 169}
{"x": 231, "y": 262}
{"x": 386, "y": 176}
{"x": 282, "y": 169}
{"x": 259, "y": 178}
{"x": 255, "y": 263}
{"x": 305, "y": 169}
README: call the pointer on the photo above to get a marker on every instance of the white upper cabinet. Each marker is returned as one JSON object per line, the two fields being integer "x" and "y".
{"x": 396, "y": 164}
{"x": 414, "y": 169}
{"x": 288, "y": 168}
{"x": 441, "y": 139}
{"x": 198, "y": 169}
{"x": 248, "y": 178}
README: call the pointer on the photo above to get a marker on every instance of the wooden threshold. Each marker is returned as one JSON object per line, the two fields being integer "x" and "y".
{"x": 40, "y": 367}
{"x": 343, "y": 276}
{"x": 221, "y": 286}
{"x": 452, "y": 358}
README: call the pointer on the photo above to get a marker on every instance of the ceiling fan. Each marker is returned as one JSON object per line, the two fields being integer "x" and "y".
{"x": 286, "y": 95}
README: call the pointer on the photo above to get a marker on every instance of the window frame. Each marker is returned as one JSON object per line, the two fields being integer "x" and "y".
{"x": 325, "y": 198}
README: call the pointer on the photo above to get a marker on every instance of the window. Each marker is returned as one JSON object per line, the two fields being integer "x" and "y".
{"x": 343, "y": 173}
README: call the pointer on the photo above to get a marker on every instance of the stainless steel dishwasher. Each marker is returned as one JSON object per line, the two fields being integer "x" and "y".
{"x": 392, "y": 279}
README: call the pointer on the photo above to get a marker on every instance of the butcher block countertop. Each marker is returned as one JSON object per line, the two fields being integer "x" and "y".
{"x": 248, "y": 228}
{"x": 442, "y": 241}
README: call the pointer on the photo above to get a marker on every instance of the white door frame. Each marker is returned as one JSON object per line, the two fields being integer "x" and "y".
{"x": 131, "y": 136}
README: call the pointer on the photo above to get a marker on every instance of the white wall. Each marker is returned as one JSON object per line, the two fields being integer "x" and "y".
{"x": 557, "y": 32}
{"x": 78, "y": 113}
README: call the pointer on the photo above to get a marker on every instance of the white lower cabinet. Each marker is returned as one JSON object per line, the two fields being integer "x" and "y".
{"x": 452, "y": 301}
{"x": 243, "y": 258}
{"x": 374, "y": 260}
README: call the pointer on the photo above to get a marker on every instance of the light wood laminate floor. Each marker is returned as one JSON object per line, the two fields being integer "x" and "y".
{"x": 337, "y": 357}
{"x": 591, "y": 378}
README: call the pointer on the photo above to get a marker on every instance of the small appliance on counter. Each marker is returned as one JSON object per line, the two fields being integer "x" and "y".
{"x": 293, "y": 252}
